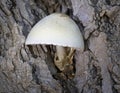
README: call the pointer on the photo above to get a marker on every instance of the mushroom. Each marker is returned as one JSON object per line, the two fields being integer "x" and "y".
{"x": 61, "y": 31}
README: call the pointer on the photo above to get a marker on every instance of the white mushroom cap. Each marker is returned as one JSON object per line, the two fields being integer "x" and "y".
{"x": 56, "y": 29}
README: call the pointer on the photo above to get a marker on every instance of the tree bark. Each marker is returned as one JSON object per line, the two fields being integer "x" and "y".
{"x": 31, "y": 69}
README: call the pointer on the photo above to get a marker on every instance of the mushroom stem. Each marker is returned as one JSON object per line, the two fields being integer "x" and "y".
{"x": 61, "y": 53}
{"x": 60, "y": 56}
{"x": 63, "y": 57}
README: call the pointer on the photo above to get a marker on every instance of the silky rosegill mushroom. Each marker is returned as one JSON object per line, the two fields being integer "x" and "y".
{"x": 61, "y": 31}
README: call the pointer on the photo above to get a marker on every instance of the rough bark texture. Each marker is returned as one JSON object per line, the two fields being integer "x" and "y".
{"x": 30, "y": 69}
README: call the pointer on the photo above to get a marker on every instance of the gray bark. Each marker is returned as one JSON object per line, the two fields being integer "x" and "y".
{"x": 30, "y": 69}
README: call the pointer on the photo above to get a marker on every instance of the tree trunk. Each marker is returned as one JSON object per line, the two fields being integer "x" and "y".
{"x": 31, "y": 69}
